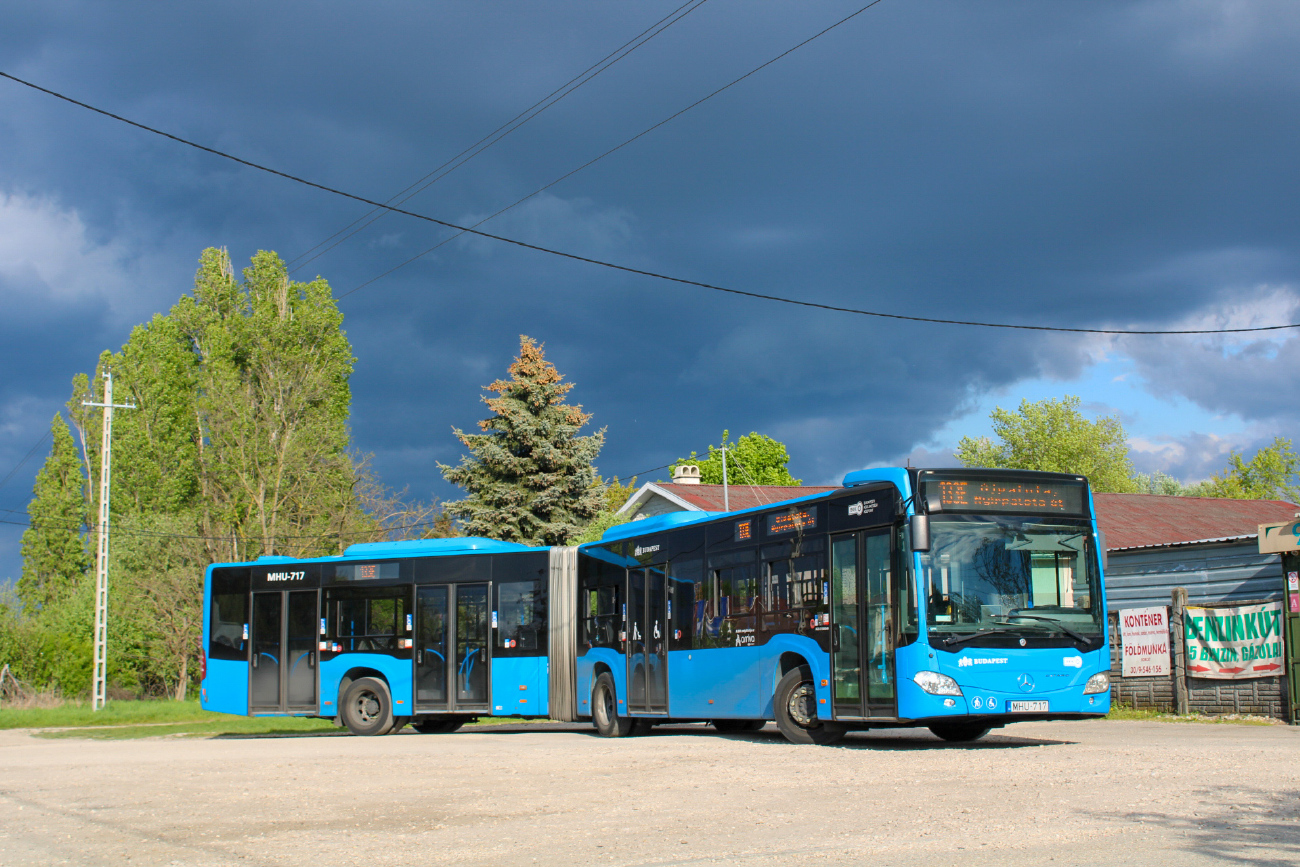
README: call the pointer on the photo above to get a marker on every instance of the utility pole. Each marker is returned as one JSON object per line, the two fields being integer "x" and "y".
{"x": 100, "y": 688}
{"x": 726, "y": 495}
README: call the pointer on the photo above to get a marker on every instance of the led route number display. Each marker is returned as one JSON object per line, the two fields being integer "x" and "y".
{"x": 1022, "y": 498}
{"x": 790, "y": 522}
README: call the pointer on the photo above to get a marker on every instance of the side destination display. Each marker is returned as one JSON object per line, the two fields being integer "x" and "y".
{"x": 1021, "y": 498}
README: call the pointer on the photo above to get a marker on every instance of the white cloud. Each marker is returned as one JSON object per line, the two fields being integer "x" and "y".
{"x": 50, "y": 263}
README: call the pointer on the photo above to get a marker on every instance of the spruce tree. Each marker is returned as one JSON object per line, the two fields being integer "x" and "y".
{"x": 531, "y": 478}
{"x": 54, "y": 547}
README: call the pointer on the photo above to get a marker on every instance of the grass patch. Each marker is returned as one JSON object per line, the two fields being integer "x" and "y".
{"x": 1126, "y": 713}
{"x": 115, "y": 713}
{"x": 126, "y": 720}
{"x": 226, "y": 725}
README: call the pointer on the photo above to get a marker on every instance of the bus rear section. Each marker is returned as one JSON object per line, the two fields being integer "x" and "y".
{"x": 433, "y": 633}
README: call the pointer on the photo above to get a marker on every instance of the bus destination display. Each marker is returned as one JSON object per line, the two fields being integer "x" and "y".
{"x": 789, "y": 522}
{"x": 1023, "y": 498}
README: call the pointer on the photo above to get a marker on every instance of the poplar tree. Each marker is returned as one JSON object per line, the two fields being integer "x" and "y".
{"x": 530, "y": 478}
{"x": 1054, "y": 436}
{"x": 54, "y": 548}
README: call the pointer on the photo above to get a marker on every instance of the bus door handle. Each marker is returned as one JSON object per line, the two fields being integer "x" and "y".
{"x": 311, "y": 659}
{"x": 254, "y": 660}
{"x": 419, "y": 657}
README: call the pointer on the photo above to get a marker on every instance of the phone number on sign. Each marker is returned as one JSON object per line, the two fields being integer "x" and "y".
{"x": 1145, "y": 669}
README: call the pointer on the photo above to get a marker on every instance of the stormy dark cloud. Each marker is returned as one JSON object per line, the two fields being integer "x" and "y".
{"x": 1117, "y": 165}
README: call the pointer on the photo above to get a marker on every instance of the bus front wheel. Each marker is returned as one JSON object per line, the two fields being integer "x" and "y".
{"x": 367, "y": 707}
{"x": 604, "y": 710}
{"x": 959, "y": 733}
{"x": 795, "y": 703}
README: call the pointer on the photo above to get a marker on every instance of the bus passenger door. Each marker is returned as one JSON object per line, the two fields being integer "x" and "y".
{"x": 284, "y": 651}
{"x": 862, "y": 624}
{"x": 432, "y": 630}
{"x": 647, "y": 640}
{"x": 452, "y": 659}
{"x": 472, "y": 659}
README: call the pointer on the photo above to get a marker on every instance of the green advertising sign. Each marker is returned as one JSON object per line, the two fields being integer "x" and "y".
{"x": 1234, "y": 643}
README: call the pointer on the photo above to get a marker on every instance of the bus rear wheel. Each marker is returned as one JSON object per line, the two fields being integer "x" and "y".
{"x": 443, "y": 726}
{"x": 604, "y": 710}
{"x": 959, "y": 733}
{"x": 795, "y": 703}
{"x": 367, "y": 707}
{"x": 739, "y": 726}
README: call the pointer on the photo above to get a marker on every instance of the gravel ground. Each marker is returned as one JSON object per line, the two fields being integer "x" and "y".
{"x": 1095, "y": 793}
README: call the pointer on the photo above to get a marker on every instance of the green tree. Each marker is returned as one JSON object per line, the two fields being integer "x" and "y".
{"x": 1269, "y": 475}
{"x": 1160, "y": 483}
{"x": 615, "y": 496}
{"x": 54, "y": 552}
{"x": 754, "y": 459}
{"x": 272, "y": 406}
{"x": 530, "y": 478}
{"x": 1053, "y": 436}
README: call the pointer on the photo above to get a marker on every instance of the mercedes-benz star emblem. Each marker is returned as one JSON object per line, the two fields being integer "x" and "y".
{"x": 1026, "y": 683}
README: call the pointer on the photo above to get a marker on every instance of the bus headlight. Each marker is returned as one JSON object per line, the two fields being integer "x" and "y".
{"x": 937, "y": 684}
{"x": 1099, "y": 682}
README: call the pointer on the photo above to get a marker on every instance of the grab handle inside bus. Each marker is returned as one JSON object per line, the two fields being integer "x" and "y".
{"x": 920, "y": 532}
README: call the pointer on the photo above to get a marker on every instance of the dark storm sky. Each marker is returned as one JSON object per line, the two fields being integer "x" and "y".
{"x": 1129, "y": 165}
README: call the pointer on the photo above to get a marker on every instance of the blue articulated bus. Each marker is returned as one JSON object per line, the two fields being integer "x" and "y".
{"x": 954, "y": 599}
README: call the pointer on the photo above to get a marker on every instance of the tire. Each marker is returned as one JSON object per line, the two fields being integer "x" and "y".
{"x": 438, "y": 725}
{"x": 604, "y": 710}
{"x": 367, "y": 707}
{"x": 959, "y": 733}
{"x": 739, "y": 726}
{"x": 795, "y": 703}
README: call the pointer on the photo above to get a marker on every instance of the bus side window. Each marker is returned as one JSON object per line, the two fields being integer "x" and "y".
{"x": 685, "y": 580}
{"x": 603, "y": 616}
{"x": 227, "y": 628}
{"x": 369, "y": 620}
{"x": 521, "y": 616}
{"x": 229, "y": 615}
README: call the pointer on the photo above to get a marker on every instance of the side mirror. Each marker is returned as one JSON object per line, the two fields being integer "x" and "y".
{"x": 920, "y": 532}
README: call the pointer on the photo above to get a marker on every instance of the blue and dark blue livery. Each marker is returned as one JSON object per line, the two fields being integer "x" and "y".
{"x": 955, "y": 599}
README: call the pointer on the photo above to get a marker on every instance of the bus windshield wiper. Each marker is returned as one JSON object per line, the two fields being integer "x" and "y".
{"x": 1077, "y": 636}
{"x": 979, "y": 633}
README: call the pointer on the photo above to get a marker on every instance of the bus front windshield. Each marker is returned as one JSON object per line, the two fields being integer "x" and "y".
{"x": 1005, "y": 575}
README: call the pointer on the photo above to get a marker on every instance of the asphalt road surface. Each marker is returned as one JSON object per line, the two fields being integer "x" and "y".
{"x": 1094, "y": 793}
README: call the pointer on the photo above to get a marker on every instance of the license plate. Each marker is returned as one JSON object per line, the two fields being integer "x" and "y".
{"x": 1028, "y": 706}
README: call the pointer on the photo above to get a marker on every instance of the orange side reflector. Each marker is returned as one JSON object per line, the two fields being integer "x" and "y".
{"x": 823, "y": 701}
{"x": 399, "y": 701}
{"x": 710, "y": 701}
{"x": 521, "y": 686}
{"x": 825, "y": 683}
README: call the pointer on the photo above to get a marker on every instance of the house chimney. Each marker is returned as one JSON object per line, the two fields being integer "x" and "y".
{"x": 686, "y": 475}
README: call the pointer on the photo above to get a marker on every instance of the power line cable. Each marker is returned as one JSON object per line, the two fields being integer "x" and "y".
{"x": 500, "y": 132}
{"x": 25, "y": 459}
{"x": 642, "y": 271}
{"x": 614, "y": 149}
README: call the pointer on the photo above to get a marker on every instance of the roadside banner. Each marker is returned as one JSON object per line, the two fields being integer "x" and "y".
{"x": 1234, "y": 643}
{"x": 1145, "y": 633}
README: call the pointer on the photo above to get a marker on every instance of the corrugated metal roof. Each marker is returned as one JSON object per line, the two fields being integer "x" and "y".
{"x": 709, "y": 497}
{"x": 1152, "y": 520}
{"x": 1219, "y": 572}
